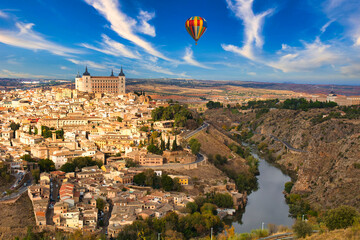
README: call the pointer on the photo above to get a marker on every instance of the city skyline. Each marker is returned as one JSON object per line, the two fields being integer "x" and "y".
{"x": 249, "y": 40}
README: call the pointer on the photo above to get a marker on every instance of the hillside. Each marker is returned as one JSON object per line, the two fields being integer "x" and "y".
{"x": 16, "y": 217}
{"x": 326, "y": 165}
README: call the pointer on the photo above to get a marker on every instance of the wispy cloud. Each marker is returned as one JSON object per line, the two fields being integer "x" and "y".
{"x": 122, "y": 24}
{"x": 90, "y": 64}
{"x": 312, "y": 56}
{"x": 10, "y": 74}
{"x": 64, "y": 68}
{"x": 111, "y": 47}
{"x": 27, "y": 38}
{"x": 323, "y": 28}
{"x": 352, "y": 70}
{"x": 145, "y": 27}
{"x": 252, "y": 24}
{"x": 3, "y": 14}
{"x": 189, "y": 58}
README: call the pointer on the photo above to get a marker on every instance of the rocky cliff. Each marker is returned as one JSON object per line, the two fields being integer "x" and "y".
{"x": 324, "y": 156}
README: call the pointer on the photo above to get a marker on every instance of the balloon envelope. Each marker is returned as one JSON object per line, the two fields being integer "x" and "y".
{"x": 196, "y": 26}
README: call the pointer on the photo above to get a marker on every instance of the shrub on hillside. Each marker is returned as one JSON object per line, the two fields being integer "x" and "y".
{"x": 341, "y": 217}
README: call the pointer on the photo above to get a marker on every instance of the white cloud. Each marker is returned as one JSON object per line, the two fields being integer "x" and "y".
{"x": 90, "y": 64}
{"x": 3, "y": 14}
{"x": 323, "y": 28}
{"x": 25, "y": 37}
{"x": 252, "y": 25}
{"x": 352, "y": 70}
{"x": 111, "y": 47}
{"x": 123, "y": 25}
{"x": 145, "y": 27}
{"x": 10, "y": 74}
{"x": 357, "y": 42}
{"x": 251, "y": 73}
{"x": 312, "y": 56}
{"x": 64, "y": 68}
{"x": 189, "y": 58}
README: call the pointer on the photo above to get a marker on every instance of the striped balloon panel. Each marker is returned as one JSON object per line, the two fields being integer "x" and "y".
{"x": 196, "y": 26}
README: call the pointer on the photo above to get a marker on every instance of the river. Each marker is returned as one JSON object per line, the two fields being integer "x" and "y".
{"x": 267, "y": 204}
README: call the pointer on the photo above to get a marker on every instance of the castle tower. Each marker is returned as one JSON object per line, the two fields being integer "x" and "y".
{"x": 121, "y": 82}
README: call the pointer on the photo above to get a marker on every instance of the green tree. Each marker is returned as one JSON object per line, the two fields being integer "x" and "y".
{"x": 192, "y": 207}
{"x": 46, "y": 165}
{"x": 139, "y": 179}
{"x": 195, "y": 146}
{"x": 167, "y": 182}
{"x": 36, "y": 175}
{"x": 27, "y": 158}
{"x": 14, "y": 126}
{"x": 162, "y": 145}
{"x": 288, "y": 186}
{"x": 68, "y": 167}
{"x": 208, "y": 208}
{"x": 130, "y": 163}
{"x": 223, "y": 200}
{"x": 341, "y": 217}
{"x": 174, "y": 145}
{"x": 168, "y": 144}
{"x": 36, "y": 131}
{"x": 60, "y": 134}
{"x": 100, "y": 204}
{"x": 119, "y": 119}
{"x": 302, "y": 229}
{"x": 154, "y": 149}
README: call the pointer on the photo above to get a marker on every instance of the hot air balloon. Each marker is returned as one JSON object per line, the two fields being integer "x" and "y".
{"x": 196, "y": 26}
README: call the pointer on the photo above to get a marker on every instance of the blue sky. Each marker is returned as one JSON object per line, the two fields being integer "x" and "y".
{"x": 303, "y": 41}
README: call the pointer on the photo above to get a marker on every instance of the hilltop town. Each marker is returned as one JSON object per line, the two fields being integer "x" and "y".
{"x": 85, "y": 158}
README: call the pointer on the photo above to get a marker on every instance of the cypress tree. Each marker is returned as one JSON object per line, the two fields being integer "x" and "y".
{"x": 174, "y": 146}
{"x": 168, "y": 144}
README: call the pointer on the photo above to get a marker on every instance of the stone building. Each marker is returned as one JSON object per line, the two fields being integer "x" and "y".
{"x": 101, "y": 84}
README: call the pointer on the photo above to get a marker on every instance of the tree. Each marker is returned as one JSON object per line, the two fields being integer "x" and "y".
{"x": 288, "y": 186}
{"x": 302, "y": 229}
{"x": 30, "y": 132}
{"x": 168, "y": 144}
{"x": 341, "y": 217}
{"x": 60, "y": 134}
{"x": 100, "y": 204}
{"x": 208, "y": 208}
{"x": 192, "y": 207}
{"x": 119, "y": 119}
{"x": 139, "y": 179}
{"x": 36, "y": 131}
{"x": 46, "y": 132}
{"x": 211, "y": 105}
{"x": 174, "y": 145}
{"x": 46, "y": 165}
{"x": 162, "y": 145}
{"x": 223, "y": 200}
{"x": 195, "y": 146}
{"x": 167, "y": 182}
{"x": 36, "y": 174}
{"x": 144, "y": 129}
{"x": 154, "y": 149}
{"x": 27, "y": 158}
{"x": 130, "y": 163}
{"x": 68, "y": 167}
{"x": 14, "y": 126}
